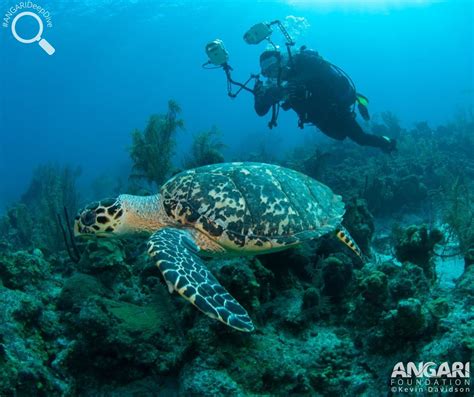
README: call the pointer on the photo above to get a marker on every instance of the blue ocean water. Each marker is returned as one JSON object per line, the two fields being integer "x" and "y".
{"x": 117, "y": 62}
{"x": 353, "y": 277}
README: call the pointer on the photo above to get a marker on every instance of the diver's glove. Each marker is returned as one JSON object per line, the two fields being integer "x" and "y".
{"x": 258, "y": 88}
{"x": 276, "y": 93}
{"x": 295, "y": 92}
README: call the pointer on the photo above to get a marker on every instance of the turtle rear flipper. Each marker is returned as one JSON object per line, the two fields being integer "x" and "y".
{"x": 175, "y": 253}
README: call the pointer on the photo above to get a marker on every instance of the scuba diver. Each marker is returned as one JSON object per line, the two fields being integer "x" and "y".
{"x": 319, "y": 92}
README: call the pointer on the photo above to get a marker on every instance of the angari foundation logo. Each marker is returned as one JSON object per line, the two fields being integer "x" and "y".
{"x": 431, "y": 378}
{"x": 38, "y": 13}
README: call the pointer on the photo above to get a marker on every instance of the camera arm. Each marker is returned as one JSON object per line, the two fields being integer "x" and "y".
{"x": 242, "y": 86}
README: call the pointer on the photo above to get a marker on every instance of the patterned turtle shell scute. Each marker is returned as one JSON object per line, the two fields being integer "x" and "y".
{"x": 252, "y": 206}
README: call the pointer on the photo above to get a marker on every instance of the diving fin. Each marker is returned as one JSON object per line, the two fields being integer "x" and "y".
{"x": 362, "y": 103}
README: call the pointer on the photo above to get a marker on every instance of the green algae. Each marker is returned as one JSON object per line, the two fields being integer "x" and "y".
{"x": 133, "y": 318}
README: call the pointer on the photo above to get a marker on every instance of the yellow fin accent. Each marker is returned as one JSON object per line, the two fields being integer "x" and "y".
{"x": 343, "y": 235}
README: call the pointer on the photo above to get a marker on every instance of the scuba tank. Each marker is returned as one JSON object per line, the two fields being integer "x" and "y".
{"x": 340, "y": 79}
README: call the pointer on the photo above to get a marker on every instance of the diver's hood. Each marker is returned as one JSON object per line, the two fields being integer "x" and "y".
{"x": 271, "y": 61}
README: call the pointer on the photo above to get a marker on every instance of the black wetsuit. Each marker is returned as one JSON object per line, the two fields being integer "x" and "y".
{"x": 320, "y": 95}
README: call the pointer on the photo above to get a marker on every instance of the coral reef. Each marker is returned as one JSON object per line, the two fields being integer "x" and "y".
{"x": 32, "y": 223}
{"x": 360, "y": 223}
{"x": 108, "y": 325}
{"x": 390, "y": 125}
{"x": 31, "y": 334}
{"x": 327, "y": 324}
{"x": 416, "y": 245}
{"x": 152, "y": 150}
{"x": 206, "y": 149}
{"x": 413, "y": 180}
{"x": 459, "y": 215}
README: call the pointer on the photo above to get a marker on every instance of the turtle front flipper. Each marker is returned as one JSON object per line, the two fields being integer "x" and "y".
{"x": 175, "y": 253}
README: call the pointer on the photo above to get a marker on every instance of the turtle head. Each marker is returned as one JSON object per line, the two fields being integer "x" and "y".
{"x": 122, "y": 215}
{"x": 103, "y": 217}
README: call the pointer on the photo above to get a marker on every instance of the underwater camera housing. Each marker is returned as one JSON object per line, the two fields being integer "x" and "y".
{"x": 257, "y": 33}
{"x": 219, "y": 57}
{"x": 217, "y": 53}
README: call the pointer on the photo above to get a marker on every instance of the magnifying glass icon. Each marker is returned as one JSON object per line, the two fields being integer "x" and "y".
{"x": 45, "y": 45}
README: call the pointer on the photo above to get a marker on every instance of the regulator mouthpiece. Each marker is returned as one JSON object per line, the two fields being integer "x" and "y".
{"x": 257, "y": 33}
{"x": 217, "y": 53}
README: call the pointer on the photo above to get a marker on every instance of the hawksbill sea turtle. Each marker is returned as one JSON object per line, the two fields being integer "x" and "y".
{"x": 220, "y": 210}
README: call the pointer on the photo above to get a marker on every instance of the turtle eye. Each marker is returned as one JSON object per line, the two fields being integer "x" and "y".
{"x": 88, "y": 218}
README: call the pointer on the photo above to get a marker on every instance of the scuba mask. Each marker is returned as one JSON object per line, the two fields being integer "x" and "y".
{"x": 270, "y": 63}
